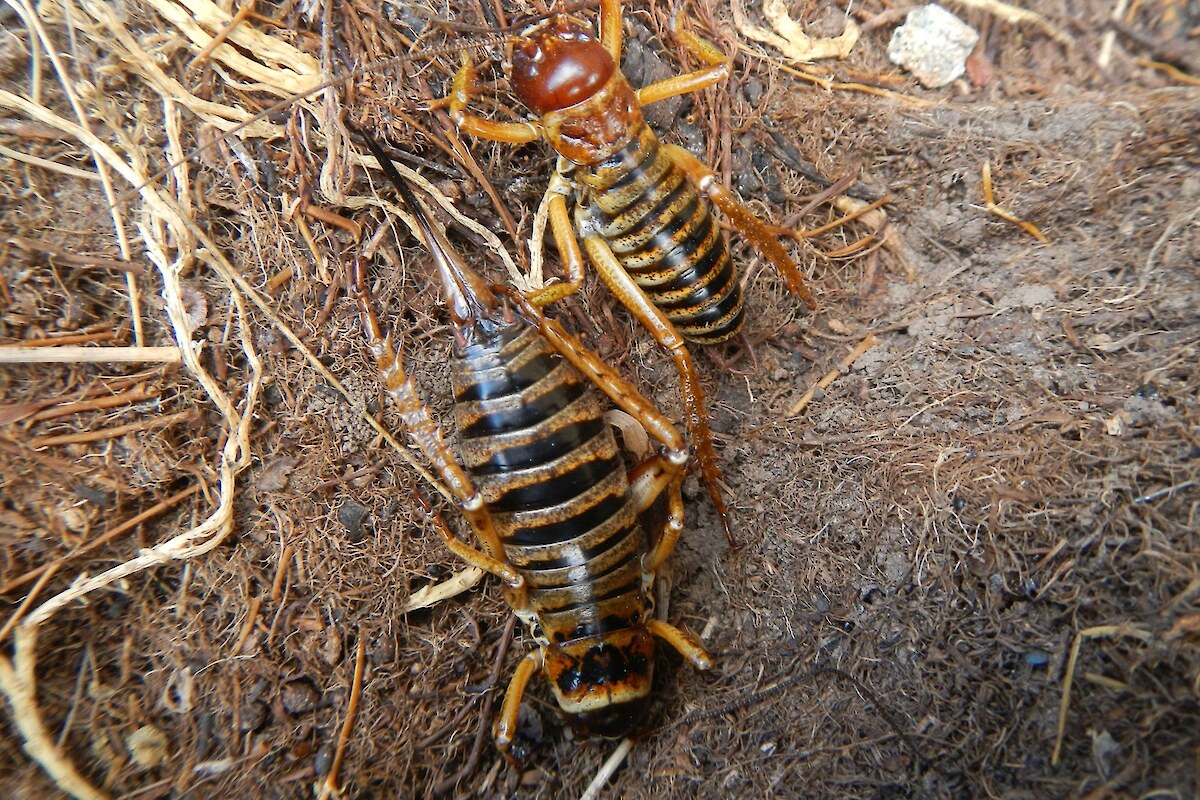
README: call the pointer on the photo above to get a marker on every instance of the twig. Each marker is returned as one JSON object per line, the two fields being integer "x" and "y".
{"x": 53, "y": 166}
{"x": 19, "y": 683}
{"x": 75, "y": 259}
{"x": 285, "y": 558}
{"x": 1018, "y": 16}
{"x": 1065, "y": 704}
{"x": 70, "y": 354}
{"x": 28, "y": 601}
{"x": 842, "y": 366}
{"x": 223, "y": 34}
{"x": 607, "y": 769}
{"x": 104, "y": 538}
{"x": 446, "y": 784}
{"x": 113, "y": 433}
{"x": 1142, "y": 500}
{"x": 74, "y": 338}
{"x": 135, "y": 395}
{"x": 451, "y": 587}
{"x": 330, "y": 788}
{"x": 1170, "y": 69}
{"x": 990, "y": 203}
{"x": 247, "y": 626}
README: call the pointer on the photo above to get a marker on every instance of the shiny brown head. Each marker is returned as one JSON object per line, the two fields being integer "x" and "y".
{"x": 602, "y": 683}
{"x": 557, "y": 65}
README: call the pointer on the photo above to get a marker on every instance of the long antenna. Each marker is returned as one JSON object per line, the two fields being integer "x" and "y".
{"x": 469, "y": 297}
{"x": 399, "y": 181}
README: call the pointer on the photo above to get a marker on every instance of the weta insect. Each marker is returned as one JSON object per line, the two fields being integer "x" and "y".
{"x": 642, "y": 208}
{"x": 545, "y": 490}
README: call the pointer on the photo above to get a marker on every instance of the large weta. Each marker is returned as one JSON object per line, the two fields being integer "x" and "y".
{"x": 643, "y": 209}
{"x": 545, "y": 490}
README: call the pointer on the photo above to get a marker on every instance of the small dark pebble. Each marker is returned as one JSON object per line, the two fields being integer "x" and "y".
{"x": 323, "y": 760}
{"x": 389, "y": 512}
{"x": 769, "y": 177}
{"x": 351, "y": 516}
{"x": 299, "y": 697}
{"x": 1148, "y": 391}
{"x": 752, "y": 90}
{"x": 690, "y": 136}
{"x": 272, "y": 396}
{"x": 253, "y": 717}
{"x": 529, "y": 724}
{"x": 94, "y": 496}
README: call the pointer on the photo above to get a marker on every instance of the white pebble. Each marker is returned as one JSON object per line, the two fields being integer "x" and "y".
{"x": 933, "y": 45}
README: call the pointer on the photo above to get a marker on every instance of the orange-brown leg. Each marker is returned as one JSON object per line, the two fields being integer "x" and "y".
{"x": 610, "y": 28}
{"x": 460, "y": 95}
{"x": 743, "y": 219}
{"x": 425, "y": 432}
{"x": 652, "y": 319}
{"x": 683, "y": 642}
{"x": 505, "y": 727}
{"x": 716, "y": 71}
{"x": 566, "y": 241}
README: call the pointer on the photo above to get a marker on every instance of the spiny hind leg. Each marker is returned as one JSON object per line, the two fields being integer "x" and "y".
{"x": 750, "y": 226}
{"x": 662, "y": 472}
{"x": 424, "y": 431}
{"x": 716, "y": 71}
{"x": 622, "y": 285}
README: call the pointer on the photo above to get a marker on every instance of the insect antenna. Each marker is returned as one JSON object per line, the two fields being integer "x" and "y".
{"x": 470, "y": 298}
{"x": 286, "y": 102}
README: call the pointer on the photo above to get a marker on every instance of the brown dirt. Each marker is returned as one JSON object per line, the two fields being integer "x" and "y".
{"x": 1009, "y": 472}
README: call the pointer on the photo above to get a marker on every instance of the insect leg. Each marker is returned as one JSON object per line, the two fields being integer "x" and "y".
{"x": 622, "y": 285}
{"x": 418, "y": 423}
{"x": 610, "y": 28}
{"x": 659, "y": 473}
{"x": 567, "y": 242}
{"x": 514, "y": 132}
{"x": 469, "y": 554}
{"x": 506, "y": 723}
{"x": 717, "y": 70}
{"x": 683, "y": 643}
{"x": 742, "y": 218}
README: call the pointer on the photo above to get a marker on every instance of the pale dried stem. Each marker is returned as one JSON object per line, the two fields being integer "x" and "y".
{"x": 71, "y": 354}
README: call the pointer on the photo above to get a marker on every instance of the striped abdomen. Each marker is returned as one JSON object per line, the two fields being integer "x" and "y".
{"x": 547, "y": 465}
{"x": 665, "y": 235}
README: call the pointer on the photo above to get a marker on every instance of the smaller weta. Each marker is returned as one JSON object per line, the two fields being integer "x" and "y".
{"x": 643, "y": 208}
{"x": 546, "y": 492}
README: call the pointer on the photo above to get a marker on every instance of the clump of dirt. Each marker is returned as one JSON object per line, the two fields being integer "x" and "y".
{"x": 967, "y": 565}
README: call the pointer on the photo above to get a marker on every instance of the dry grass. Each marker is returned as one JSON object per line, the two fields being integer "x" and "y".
{"x": 971, "y": 566}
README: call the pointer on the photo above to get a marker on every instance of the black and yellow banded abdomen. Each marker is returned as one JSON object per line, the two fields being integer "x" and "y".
{"x": 534, "y": 440}
{"x": 665, "y": 235}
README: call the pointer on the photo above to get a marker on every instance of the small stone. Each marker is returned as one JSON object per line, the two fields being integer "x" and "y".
{"x": 933, "y": 45}
{"x": 147, "y": 746}
{"x": 253, "y": 717}
{"x": 351, "y": 515}
{"x": 299, "y": 697}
